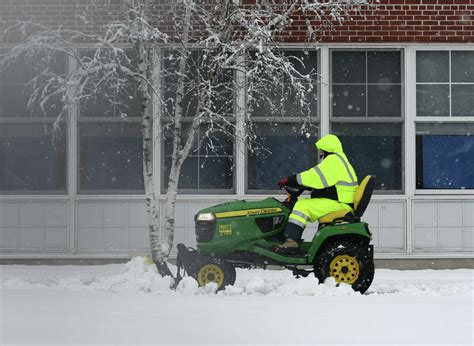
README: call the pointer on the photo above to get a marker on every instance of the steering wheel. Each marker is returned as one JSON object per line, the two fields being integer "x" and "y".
{"x": 293, "y": 194}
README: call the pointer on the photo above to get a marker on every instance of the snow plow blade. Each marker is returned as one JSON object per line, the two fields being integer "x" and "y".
{"x": 187, "y": 259}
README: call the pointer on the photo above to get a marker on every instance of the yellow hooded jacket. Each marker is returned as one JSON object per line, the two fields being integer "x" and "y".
{"x": 334, "y": 170}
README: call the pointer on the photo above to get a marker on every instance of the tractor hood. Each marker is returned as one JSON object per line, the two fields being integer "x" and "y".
{"x": 241, "y": 208}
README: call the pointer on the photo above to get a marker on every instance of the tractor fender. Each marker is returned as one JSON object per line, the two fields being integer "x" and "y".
{"x": 357, "y": 231}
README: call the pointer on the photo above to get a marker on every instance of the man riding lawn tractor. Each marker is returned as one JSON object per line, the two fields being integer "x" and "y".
{"x": 333, "y": 183}
{"x": 248, "y": 234}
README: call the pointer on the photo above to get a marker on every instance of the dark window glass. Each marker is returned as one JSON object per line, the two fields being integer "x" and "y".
{"x": 462, "y": 66}
{"x": 384, "y": 67}
{"x": 366, "y": 84}
{"x": 110, "y": 158}
{"x": 463, "y": 100}
{"x": 221, "y": 89}
{"x": 432, "y": 100}
{"x": 16, "y": 89}
{"x": 374, "y": 149}
{"x": 384, "y": 100}
{"x": 283, "y": 151}
{"x": 30, "y": 161}
{"x": 450, "y": 98}
{"x": 432, "y": 66}
{"x": 348, "y": 67}
{"x": 349, "y": 100}
{"x": 278, "y": 98}
{"x": 111, "y": 91}
{"x": 210, "y": 164}
{"x": 445, "y": 156}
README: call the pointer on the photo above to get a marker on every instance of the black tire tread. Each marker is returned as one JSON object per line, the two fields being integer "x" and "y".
{"x": 353, "y": 247}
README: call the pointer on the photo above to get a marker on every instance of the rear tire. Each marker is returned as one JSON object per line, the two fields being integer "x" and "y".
{"x": 215, "y": 270}
{"x": 346, "y": 260}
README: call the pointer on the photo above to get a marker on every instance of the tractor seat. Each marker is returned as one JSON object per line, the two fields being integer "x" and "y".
{"x": 361, "y": 201}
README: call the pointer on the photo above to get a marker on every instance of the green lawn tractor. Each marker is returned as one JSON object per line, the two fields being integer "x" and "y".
{"x": 243, "y": 234}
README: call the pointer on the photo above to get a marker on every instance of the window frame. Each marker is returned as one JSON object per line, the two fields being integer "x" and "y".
{"x": 78, "y": 120}
{"x": 449, "y": 83}
{"x": 160, "y": 167}
{"x": 402, "y": 119}
{"x": 47, "y": 121}
{"x": 314, "y": 120}
{"x": 434, "y": 119}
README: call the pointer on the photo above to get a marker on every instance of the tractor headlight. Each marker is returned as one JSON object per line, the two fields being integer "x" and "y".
{"x": 205, "y": 217}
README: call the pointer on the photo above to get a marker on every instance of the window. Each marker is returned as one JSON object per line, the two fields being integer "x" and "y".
{"x": 444, "y": 83}
{"x": 110, "y": 141}
{"x": 366, "y": 112}
{"x": 282, "y": 151}
{"x": 284, "y": 133}
{"x": 32, "y": 158}
{"x": 373, "y": 149}
{"x": 210, "y": 164}
{"x": 112, "y": 93}
{"x": 445, "y": 156}
{"x": 268, "y": 98}
{"x": 366, "y": 84}
{"x": 110, "y": 158}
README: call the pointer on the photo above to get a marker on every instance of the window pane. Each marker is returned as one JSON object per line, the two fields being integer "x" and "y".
{"x": 209, "y": 165}
{"x": 374, "y": 149}
{"x": 462, "y": 66}
{"x": 384, "y": 66}
{"x": 348, "y": 67}
{"x": 29, "y": 162}
{"x": 432, "y": 100}
{"x": 279, "y": 98}
{"x": 221, "y": 90}
{"x": 432, "y": 66}
{"x": 445, "y": 156}
{"x": 385, "y": 100}
{"x": 463, "y": 100}
{"x": 216, "y": 172}
{"x": 111, "y": 158}
{"x": 348, "y": 101}
{"x": 285, "y": 152}
{"x": 188, "y": 180}
{"x": 304, "y": 62}
{"x": 112, "y": 92}
{"x": 15, "y": 93}
{"x": 110, "y": 102}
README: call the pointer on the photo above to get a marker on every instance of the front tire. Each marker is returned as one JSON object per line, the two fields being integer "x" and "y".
{"x": 218, "y": 271}
{"x": 348, "y": 261}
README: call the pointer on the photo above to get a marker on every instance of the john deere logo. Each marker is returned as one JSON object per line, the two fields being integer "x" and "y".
{"x": 225, "y": 230}
{"x": 248, "y": 212}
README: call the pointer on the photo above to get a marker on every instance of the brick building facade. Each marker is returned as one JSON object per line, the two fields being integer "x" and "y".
{"x": 397, "y": 87}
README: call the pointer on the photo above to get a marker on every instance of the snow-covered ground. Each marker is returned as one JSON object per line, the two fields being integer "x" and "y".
{"x": 132, "y": 304}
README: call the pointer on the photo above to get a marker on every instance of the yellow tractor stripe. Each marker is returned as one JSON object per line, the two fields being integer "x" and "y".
{"x": 248, "y": 212}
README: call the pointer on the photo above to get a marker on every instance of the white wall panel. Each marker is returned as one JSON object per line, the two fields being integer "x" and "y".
{"x": 386, "y": 221}
{"x": 443, "y": 225}
{"x": 39, "y": 226}
{"x": 468, "y": 238}
{"x": 105, "y": 227}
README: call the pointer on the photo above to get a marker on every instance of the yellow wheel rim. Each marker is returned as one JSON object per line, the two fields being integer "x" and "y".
{"x": 210, "y": 273}
{"x": 345, "y": 269}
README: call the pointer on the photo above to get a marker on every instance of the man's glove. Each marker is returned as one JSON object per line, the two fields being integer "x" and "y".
{"x": 283, "y": 182}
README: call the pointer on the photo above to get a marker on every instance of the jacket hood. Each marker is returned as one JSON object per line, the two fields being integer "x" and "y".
{"x": 329, "y": 143}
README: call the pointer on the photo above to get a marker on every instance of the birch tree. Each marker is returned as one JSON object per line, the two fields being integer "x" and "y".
{"x": 188, "y": 54}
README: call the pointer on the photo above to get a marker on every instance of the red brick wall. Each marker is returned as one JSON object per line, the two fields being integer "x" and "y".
{"x": 409, "y": 21}
{"x": 394, "y": 21}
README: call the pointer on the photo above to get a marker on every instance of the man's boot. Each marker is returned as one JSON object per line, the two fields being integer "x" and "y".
{"x": 289, "y": 244}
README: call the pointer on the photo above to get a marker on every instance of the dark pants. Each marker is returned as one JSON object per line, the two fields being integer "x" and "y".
{"x": 293, "y": 231}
